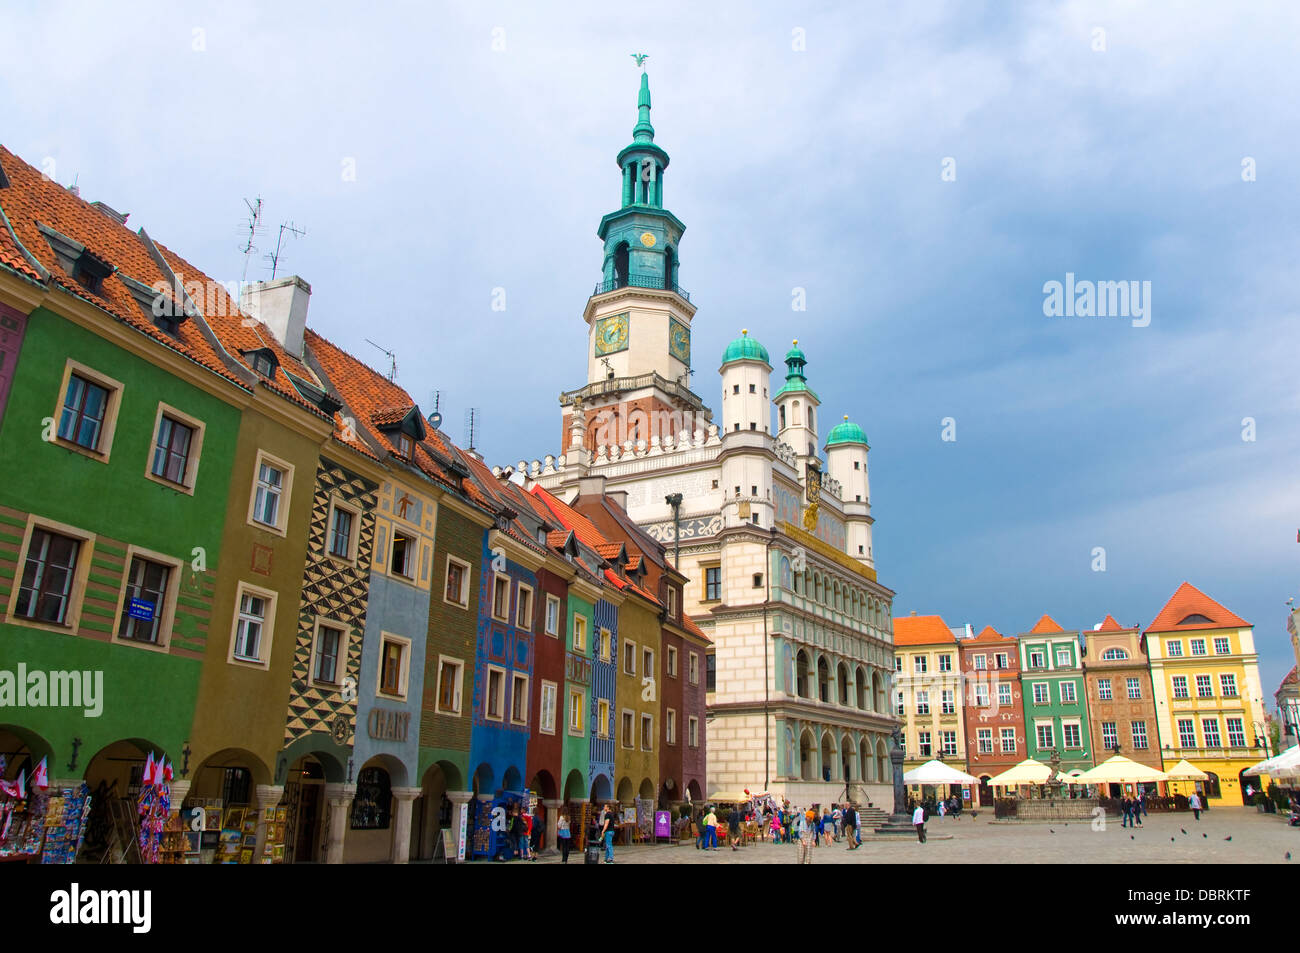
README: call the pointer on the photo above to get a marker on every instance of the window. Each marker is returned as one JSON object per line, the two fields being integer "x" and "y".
{"x": 1008, "y": 740}
{"x": 524, "y": 608}
{"x": 330, "y": 640}
{"x": 1198, "y": 646}
{"x": 949, "y": 742}
{"x": 394, "y": 653}
{"x": 1037, "y": 659}
{"x": 629, "y": 658}
{"x": 1004, "y": 694}
{"x": 341, "y": 538}
{"x": 1002, "y": 659}
{"x": 1228, "y": 685}
{"x": 580, "y": 634}
{"x": 898, "y": 663}
{"x": 671, "y": 661}
{"x": 146, "y": 595}
{"x": 693, "y": 669}
{"x": 1067, "y": 693}
{"x": 1103, "y": 689}
{"x": 496, "y": 688}
{"x": 1204, "y": 687}
{"x": 647, "y": 732}
{"x": 672, "y": 602}
{"x": 1073, "y": 736}
{"x": 1063, "y": 658}
{"x": 1180, "y": 686}
{"x": 710, "y": 673}
{"x": 171, "y": 452}
{"x": 85, "y": 404}
{"x": 1236, "y": 733}
{"x": 1040, "y": 693}
{"x": 1211, "y": 728}
{"x": 647, "y": 663}
{"x": 577, "y": 704}
{"x": 945, "y": 663}
{"x": 712, "y": 583}
{"x": 946, "y": 701}
{"x": 450, "y": 674}
{"x": 456, "y": 590}
{"x": 1044, "y": 735}
{"x": 923, "y": 743}
{"x": 272, "y": 482}
{"x": 629, "y": 724}
{"x": 519, "y": 699}
{"x": 1139, "y": 735}
{"x": 1109, "y": 735}
{"x": 1221, "y": 646}
{"x": 670, "y": 726}
{"x": 984, "y": 738}
{"x": 546, "y": 724}
{"x": 898, "y": 699}
{"x": 552, "y": 616}
{"x": 1113, "y": 655}
{"x": 372, "y": 805}
{"x": 403, "y": 445}
{"x": 402, "y": 562}
{"x": 45, "y": 592}
{"x": 922, "y": 702}
{"x": 501, "y": 598}
{"x": 253, "y": 625}
{"x": 693, "y": 731}
{"x": 1186, "y": 733}
{"x": 1175, "y": 648}
{"x": 981, "y": 696}
{"x": 920, "y": 663}
{"x": 606, "y": 645}
{"x": 604, "y": 727}
{"x": 980, "y": 661}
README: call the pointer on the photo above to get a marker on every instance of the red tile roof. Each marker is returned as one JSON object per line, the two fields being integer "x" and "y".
{"x": 1109, "y": 624}
{"x": 1190, "y": 601}
{"x": 11, "y": 255}
{"x": 921, "y": 630}
{"x": 990, "y": 634}
{"x": 1291, "y": 677}
{"x": 570, "y": 518}
{"x": 694, "y": 629}
{"x": 1046, "y": 624}
{"x": 390, "y": 416}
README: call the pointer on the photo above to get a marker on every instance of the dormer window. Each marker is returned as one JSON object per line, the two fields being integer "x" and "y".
{"x": 403, "y": 444}
{"x": 263, "y": 365}
{"x": 404, "y": 426}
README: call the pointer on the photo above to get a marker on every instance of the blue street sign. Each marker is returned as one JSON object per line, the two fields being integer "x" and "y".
{"x": 139, "y": 609}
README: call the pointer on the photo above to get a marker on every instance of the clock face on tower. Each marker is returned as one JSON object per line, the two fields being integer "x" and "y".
{"x": 611, "y": 334}
{"x": 648, "y": 239}
{"x": 679, "y": 341}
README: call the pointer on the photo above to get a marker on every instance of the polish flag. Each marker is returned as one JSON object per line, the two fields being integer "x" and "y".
{"x": 150, "y": 772}
{"x": 167, "y": 771}
{"x": 41, "y": 777}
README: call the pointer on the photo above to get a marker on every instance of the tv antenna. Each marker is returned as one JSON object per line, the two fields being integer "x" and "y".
{"x": 392, "y": 359}
{"x": 473, "y": 423}
{"x": 274, "y": 257}
{"x": 254, "y": 229}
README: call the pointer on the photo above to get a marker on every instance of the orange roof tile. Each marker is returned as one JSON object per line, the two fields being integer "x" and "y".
{"x": 921, "y": 630}
{"x": 1046, "y": 624}
{"x": 990, "y": 634}
{"x": 694, "y": 629}
{"x": 1291, "y": 677}
{"x": 572, "y": 519}
{"x": 1190, "y": 601}
{"x": 1109, "y": 624}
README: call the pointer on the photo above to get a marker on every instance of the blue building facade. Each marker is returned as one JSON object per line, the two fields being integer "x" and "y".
{"x": 604, "y": 678}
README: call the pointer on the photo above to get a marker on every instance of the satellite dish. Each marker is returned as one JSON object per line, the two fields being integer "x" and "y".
{"x": 435, "y": 420}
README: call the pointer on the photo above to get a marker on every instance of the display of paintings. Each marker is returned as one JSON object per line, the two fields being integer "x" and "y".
{"x": 212, "y": 818}
{"x": 234, "y": 818}
{"x": 64, "y": 822}
{"x": 281, "y": 814}
{"x": 246, "y": 856}
{"x": 193, "y": 841}
{"x": 232, "y": 840}
{"x": 250, "y": 822}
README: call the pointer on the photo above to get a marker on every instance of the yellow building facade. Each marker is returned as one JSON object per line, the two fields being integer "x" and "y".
{"x": 927, "y": 691}
{"x": 1208, "y": 694}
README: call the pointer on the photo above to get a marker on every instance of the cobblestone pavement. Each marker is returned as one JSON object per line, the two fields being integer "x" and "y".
{"x": 1256, "y": 839}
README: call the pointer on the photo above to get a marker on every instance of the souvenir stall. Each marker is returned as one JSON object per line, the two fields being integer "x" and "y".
{"x": 24, "y": 809}
{"x": 485, "y": 840}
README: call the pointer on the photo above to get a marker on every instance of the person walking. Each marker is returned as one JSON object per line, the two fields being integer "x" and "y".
{"x": 850, "y": 819}
{"x": 562, "y": 835}
{"x": 1126, "y": 808}
{"x": 519, "y": 829}
{"x": 776, "y": 827}
{"x": 734, "y": 820}
{"x": 802, "y": 831}
{"x": 918, "y": 821}
{"x": 710, "y": 829}
{"x": 1194, "y": 802}
{"x": 1136, "y": 809}
{"x": 607, "y": 830}
{"x": 828, "y": 827}
{"x": 838, "y": 815}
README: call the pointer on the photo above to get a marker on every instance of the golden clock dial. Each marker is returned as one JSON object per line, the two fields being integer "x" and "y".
{"x": 647, "y": 239}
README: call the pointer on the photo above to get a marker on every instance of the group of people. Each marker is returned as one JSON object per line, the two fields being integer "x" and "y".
{"x": 805, "y": 827}
{"x": 1135, "y": 808}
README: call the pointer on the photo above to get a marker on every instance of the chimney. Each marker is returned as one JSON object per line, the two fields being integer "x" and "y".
{"x": 592, "y": 485}
{"x": 619, "y": 498}
{"x": 282, "y": 306}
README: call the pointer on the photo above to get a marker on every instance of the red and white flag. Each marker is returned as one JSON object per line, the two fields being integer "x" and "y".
{"x": 150, "y": 771}
{"x": 41, "y": 777}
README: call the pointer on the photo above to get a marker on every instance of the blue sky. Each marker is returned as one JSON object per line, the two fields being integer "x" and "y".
{"x": 817, "y": 168}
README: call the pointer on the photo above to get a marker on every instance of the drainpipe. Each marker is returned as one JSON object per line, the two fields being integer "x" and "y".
{"x": 675, "y": 501}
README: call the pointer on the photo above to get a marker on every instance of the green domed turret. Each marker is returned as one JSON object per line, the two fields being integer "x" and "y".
{"x": 847, "y": 433}
{"x": 745, "y": 348}
{"x": 795, "y": 381}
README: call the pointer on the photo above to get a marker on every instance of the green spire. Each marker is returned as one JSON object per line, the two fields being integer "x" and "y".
{"x": 846, "y": 432}
{"x": 643, "y": 131}
{"x": 794, "y": 377}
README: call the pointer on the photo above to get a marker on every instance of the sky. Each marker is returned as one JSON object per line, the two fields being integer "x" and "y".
{"x": 920, "y": 169}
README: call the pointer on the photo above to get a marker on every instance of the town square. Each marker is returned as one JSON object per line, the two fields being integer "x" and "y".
{"x": 391, "y": 487}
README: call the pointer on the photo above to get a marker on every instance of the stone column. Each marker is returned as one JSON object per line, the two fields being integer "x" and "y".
{"x": 339, "y": 797}
{"x": 268, "y": 796}
{"x": 900, "y": 791}
{"x": 552, "y": 818}
{"x": 404, "y": 797}
{"x": 180, "y": 790}
{"x": 459, "y": 809}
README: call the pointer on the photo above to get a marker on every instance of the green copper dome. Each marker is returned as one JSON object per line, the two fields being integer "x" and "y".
{"x": 795, "y": 381}
{"x": 745, "y": 348}
{"x": 846, "y": 433}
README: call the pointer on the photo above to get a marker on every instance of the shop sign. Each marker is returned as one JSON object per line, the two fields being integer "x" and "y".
{"x": 663, "y": 824}
{"x": 140, "y": 609}
{"x": 384, "y": 725}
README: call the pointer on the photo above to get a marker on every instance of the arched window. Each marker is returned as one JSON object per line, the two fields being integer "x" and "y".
{"x": 797, "y": 416}
{"x": 781, "y": 413}
{"x": 670, "y": 269}
{"x": 801, "y": 674}
{"x": 812, "y": 419}
{"x": 1112, "y": 655}
{"x": 620, "y": 265}
{"x": 842, "y": 677}
{"x": 823, "y": 680}
{"x": 1196, "y": 619}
